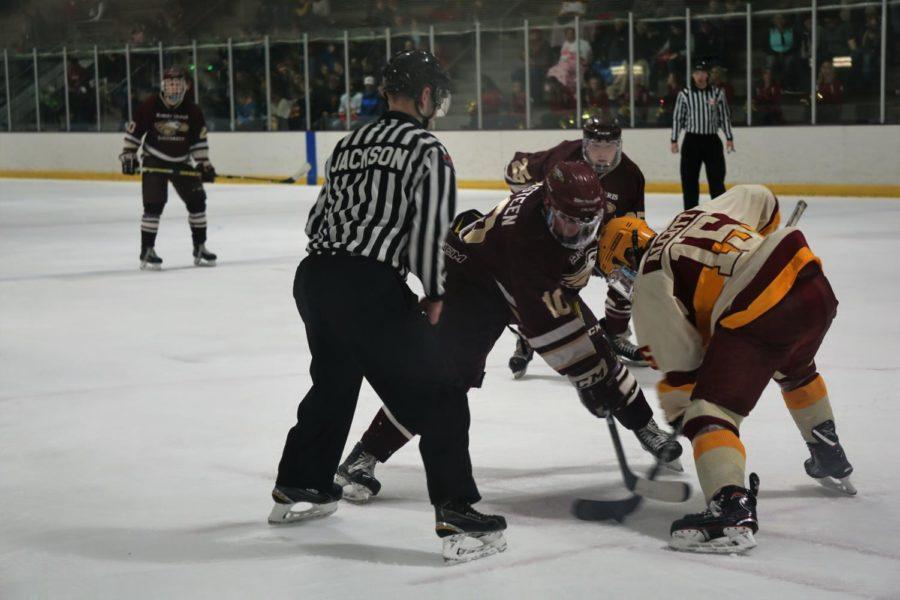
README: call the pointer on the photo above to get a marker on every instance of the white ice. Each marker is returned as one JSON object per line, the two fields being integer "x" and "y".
{"x": 142, "y": 416}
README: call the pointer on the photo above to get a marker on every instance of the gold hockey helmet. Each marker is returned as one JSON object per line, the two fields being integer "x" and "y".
{"x": 617, "y": 243}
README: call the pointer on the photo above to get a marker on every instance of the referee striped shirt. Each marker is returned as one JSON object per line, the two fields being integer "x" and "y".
{"x": 702, "y": 112}
{"x": 389, "y": 194}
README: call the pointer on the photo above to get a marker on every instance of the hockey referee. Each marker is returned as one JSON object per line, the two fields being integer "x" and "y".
{"x": 701, "y": 110}
{"x": 387, "y": 202}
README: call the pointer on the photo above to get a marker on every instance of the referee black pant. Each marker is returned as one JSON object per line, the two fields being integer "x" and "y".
{"x": 362, "y": 321}
{"x": 700, "y": 149}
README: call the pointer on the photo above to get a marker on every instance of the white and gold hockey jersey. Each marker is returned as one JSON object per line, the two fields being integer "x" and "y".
{"x": 723, "y": 263}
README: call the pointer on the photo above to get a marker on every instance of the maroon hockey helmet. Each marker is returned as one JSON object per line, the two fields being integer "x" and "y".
{"x": 601, "y": 144}
{"x": 573, "y": 199}
{"x": 174, "y": 86}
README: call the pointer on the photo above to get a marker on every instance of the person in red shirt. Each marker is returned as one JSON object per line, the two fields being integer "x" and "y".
{"x": 170, "y": 130}
{"x": 829, "y": 94}
{"x": 767, "y": 100}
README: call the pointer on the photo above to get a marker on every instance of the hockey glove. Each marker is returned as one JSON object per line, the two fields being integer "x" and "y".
{"x": 207, "y": 172}
{"x": 129, "y": 163}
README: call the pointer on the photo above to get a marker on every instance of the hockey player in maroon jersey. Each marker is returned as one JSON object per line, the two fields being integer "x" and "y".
{"x": 623, "y": 190}
{"x": 524, "y": 263}
{"x": 724, "y": 302}
{"x": 171, "y": 130}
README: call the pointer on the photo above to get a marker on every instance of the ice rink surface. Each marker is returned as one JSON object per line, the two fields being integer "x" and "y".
{"x": 142, "y": 416}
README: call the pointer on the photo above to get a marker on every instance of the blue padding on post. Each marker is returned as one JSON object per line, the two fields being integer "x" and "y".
{"x": 313, "y": 176}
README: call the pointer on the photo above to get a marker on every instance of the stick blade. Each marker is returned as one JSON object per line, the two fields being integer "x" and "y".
{"x": 664, "y": 491}
{"x": 605, "y": 510}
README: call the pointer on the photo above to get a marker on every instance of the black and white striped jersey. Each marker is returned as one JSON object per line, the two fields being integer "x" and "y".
{"x": 389, "y": 194}
{"x": 701, "y": 111}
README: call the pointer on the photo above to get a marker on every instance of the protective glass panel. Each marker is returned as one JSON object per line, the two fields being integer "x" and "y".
{"x": 250, "y": 87}
{"x": 113, "y": 91}
{"x": 213, "y": 88}
{"x": 326, "y": 68}
{"x": 456, "y": 53}
{"x": 553, "y": 72}
{"x": 721, "y": 40}
{"x": 605, "y": 90}
{"x": 502, "y": 76}
{"x": 145, "y": 75}
{"x": 288, "y": 95}
{"x": 781, "y": 46}
{"x": 4, "y": 103}
{"x": 848, "y": 59}
{"x": 21, "y": 88}
{"x": 367, "y": 59}
{"x": 660, "y": 58}
{"x": 52, "y": 93}
{"x": 82, "y": 97}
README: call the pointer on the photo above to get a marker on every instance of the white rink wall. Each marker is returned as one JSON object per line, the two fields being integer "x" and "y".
{"x": 818, "y": 157}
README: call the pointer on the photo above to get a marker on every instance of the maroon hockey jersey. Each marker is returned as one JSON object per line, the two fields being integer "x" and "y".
{"x": 172, "y": 134}
{"x": 511, "y": 251}
{"x": 623, "y": 186}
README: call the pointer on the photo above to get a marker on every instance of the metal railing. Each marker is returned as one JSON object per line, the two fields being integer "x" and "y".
{"x": 631, "y": 66}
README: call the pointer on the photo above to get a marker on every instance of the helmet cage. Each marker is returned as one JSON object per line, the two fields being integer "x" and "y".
{"x": 608, "y": 153}
{"x": 174, "y": 89}
{"x": 572, "y": 232}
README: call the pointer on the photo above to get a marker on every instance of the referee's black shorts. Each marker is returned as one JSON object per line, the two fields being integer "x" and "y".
{"x": 362, "y": 321}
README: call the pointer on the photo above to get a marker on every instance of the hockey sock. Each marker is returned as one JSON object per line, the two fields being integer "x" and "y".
{"x": 198, "y": 227}
{"x": 636, "y": 412}
{"x": 809, "y": 406}
{"x": 674, "y": 399}
{"x": 385, "y": 436}
{"x": 720, "y": 459}
{"x": 149, "y": 228}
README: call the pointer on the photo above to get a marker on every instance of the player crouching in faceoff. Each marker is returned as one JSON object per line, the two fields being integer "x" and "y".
{"x": 723, "y": 302}
{"x": 172, "y": 130}
{"x": 524, "y": 263}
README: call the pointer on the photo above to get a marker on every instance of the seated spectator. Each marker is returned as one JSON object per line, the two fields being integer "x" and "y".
{"x": 829, "y": 94}
{"x": 246, "y": 111}
{"x": 559, "y": 101}
{"x": 867, "y": 58}
{"x": 671, "y": 56}
{"x": 517, "y": 101}
{"x": 371, "y": 104}
{"x": 281, "y": 108}
{"x": 782, "y": 50}
{"x": 647, "y": 42}
{"x": 491, "y": 105}
{"x": 767, "y": 101}
{"x": 350, "y": 105}
{"x": 719, "y": 78}
{"x": 596, "y": 99}
{"x": 568, "y": 68}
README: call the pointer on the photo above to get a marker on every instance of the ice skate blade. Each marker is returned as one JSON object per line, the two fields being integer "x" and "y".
{"x": 519, "y": 374}
{"x": 466, "y": 547}
{"x": 150, "y": 267}
{"x": 841, "y": 485}
{"x": 199, "y": 262}
{"x": 354, "y": 492}
{"x": 286, "y": 514}
{"x": 673, "y": 465}
{"x": 736, "y": 540}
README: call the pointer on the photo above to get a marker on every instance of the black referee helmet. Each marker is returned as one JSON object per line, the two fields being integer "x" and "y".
{"x": 410, "y": 72}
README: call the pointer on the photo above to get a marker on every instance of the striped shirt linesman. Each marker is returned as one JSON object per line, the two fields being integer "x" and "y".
{"x": 386, "y": 176}
{"x": 701, "y": 110}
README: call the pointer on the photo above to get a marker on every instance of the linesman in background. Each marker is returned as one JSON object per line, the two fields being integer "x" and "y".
{"x": 172, "y": 130}
{"x": 385, "y": 208}
{"x": 701, "y": 110}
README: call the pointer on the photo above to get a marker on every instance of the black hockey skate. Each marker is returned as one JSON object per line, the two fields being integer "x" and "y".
{"x": 518, "y": 362}
{"x": 725, "y": 527}
{"x": 827, "y": 463}
{"x": 293, "y": 505}
{"x": 203, "y": 257}
{"x": 467, "y": 533}
{"x": 660, "y": 444}
{"x": 627, "y": 351}
{"x": 149, "y": 260}
{"x": 356, "y": 476}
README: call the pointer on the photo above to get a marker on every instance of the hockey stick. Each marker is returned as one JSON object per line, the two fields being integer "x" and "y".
{"x": 798, "y": 212}
{"x": 665, "y": 491}
{"x": 188, "y": 172}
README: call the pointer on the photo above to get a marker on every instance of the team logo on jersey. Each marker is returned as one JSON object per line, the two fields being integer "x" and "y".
{"x": 171, "y": 128}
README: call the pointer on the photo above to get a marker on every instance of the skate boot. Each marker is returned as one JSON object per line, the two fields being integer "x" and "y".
{"x": 293, "y": 505}
{"x": 828, "y": 464}
{"x": 149, "y": 260}
{"x": 624, "y": 348}
{"x": 356, "y": 476}
{"x": 203, "y": 257}
{"x": 518, "y": 362}
{"x": 725, "y": 527}
{"x": 467, "y": 533}
{"x": 658, "y": 443}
